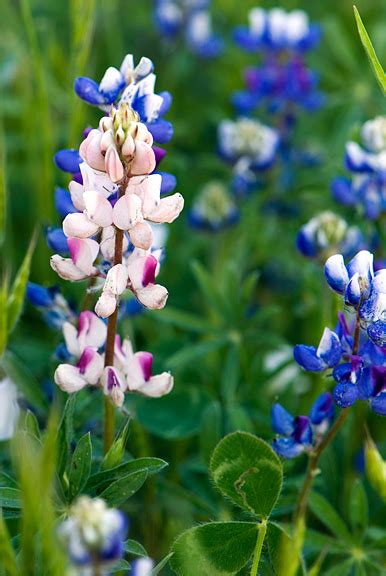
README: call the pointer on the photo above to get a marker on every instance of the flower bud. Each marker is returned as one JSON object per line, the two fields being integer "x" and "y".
{"x": 114, "y": 167}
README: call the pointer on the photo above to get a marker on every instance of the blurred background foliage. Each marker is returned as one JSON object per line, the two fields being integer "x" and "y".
{"x": 239, "y": 299}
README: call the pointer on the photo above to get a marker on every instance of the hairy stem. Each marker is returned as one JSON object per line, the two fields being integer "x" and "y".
{"x": 109, "y": 419}
{"x": 258, "y": 548}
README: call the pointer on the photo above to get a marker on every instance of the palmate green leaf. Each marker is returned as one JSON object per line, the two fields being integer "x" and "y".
{"x": 121, "y": 490}
{"x": 247, "y": 470}
{"x": 177, "y": 415}
{"x": 65, "y": 434}
{"x": 7, "y": 553}
{"x": 17, "y": 292}
{"x": 359, "y": 508}
{"x": 80, "y": 466}
{"x": 184, "y": 320}
{"x": 216, "y": 549}
{"x": 329, "y": 517}
{"x": 371, "y": 54}
{"x": 103, "y": 479}
{"x": 342, "y": 569}
{"x": 119, "y": 567}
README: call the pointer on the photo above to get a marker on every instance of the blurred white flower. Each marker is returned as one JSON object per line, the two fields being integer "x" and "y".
{"x": 9, "y": 409}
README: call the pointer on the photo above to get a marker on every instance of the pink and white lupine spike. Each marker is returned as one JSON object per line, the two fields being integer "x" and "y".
{"x": 115, "y": 284}
{"x": 114, "y": 384}
{"x": 142, "y": 270}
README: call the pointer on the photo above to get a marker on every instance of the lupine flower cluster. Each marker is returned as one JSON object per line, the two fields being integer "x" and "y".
{"x": 302, "y": 433}
{"x": 192, "y": 20}
{"x": 366, "y": 160}
{"x": 283, "y": 78}
{"x": 326, "y": 234}
{"x": 250, "y": 147}
{"x": 94, "y": 534}
{"x": 355, "y": 350}
{"x": 111, "y": 231}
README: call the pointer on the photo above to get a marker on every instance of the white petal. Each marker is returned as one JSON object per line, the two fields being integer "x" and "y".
{"x": 153, "y": 296}
{"x": 98, "y": 208}
{"x": 67, "y": 270}
{"x": 83, "y": 253}
{"x": 116, "y": 280}
{"x": 106, "y": 304}
{"x": 69, "y": 379}
{"x": 168, "y": 210}
{"x": 92, "y": 331}
{"x": 127, "y": 212}
{"x": 142, "y": 235}
{"x": 79, "y": 226}
{"x": 158, "y": 385}
{"x": 70, "y": 334}
{"x": 9, "y": 409}
{"x": 76, "y": 191}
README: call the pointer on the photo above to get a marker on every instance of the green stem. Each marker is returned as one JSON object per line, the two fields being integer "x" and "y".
{"x": 259, "y": 546}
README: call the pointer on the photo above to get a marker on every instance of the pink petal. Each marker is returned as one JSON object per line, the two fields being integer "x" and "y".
{"x": 127, "y": 212}
{"x": 69, "y": 379}
{"x": 136, "y": 266}
{"x": 91, "y": 330}
{"x": 114, "y": 167}
{"x": 90, "y": 150}
{"x": 158, "y": 385}
{"x": 153, "y": 296}
{"x": 83, "y": 253}
{"x": 79, "y": 226}
{"x": 98, "y": 208}
{"x": 67, "y": 270}
{"x": 90, "y": 365}
{"x": 107, "y": 140}
{"x": 168, "y": 209}
{"x": 145, "y": 360}
{"x": 144, "y": 159}
{"x": 142, "y": 235}
{"x": 143, "y": 134}
{"x": 106, "y": 304}
{"x": 114, "y": 384}
{"x": 128, "y": 147}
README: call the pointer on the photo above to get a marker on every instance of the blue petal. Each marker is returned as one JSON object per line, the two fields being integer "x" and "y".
{"x": 363, "y": 264}
{"x": 342, "y": 191}
{"x": 322, "y": 408}
{"x": 307, "y": 358}
{"x": 244, "y": 102}
{"x": 167, "y": 100}
{"x": 377, "y": 333}
{"x": 63, "y": 202}
{"x": 282, "y": 421}
{"x": 346, "y": 394}
{"x": 336, "y": 273}
{"x": 305, "y": 243}
{"x": 68, "y": 160}
{"x": 88, "y": 90}
{"x": 287, "y": 447}
{"x": 161, "y": 130}
{"x": 39, "y": 295}
{"x": 56, "y": 240}
{"x": 303, "y": 431}
{"x": 329, "y": 349}
{"x": 168, "y": 183}
{"x": 378, "y": 404}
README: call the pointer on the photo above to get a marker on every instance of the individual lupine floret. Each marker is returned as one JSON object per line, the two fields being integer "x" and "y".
{"x": 213, "y": 208}
{"x": 51, "y": 303}
{"x": 356, "y": 381}
{"x": 94, "y": 534}
{"x": 326, "y": 355}
{"x": 372, "y": 312}
{"x": 354, "y": 281}
{"x": 302, "y": 433}
{"x": 327, "y": 233}
{"x": 278, "y": 30}
{"x": 367, "y": 162}
{"x": 113, "y": 81}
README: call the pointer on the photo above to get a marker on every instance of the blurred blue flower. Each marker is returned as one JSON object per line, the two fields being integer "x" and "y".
{"x": 52, "y": 305}
{"x": 68, "y": 160}
{"x": 142, "y": 567}
{"x": 213, "y": 208}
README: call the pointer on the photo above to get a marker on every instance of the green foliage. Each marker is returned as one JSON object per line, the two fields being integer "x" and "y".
{"x": 371, "y": 54}
{"x": 248, "y": 472}
{"x": 80, "y": 466}
{"x": 123, "y": 488}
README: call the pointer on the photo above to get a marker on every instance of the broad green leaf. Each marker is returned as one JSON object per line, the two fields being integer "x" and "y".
{"x": 103, "y": 479}
{"x": 118, "y": 492}
{"x": 119, "y": 566}
{"x": 359, "y": 508}
{"x": 24, "y": 380}
{"x": 284, "y": 551}
{"x": 17, "y": 292}
{"x": 317, "y": 541}
{"x": 80, "y": 466}
{"x": 247, "y": 470}
{"x": 329, "y": 517}
{"x": 177, "y": 415}
{"x": 115, "y": 454}
{"x": 7, "y": 481}
{"x": 210, "y": 430}
{"x": 216, "y": 549}
{"x": 10, "y": 498}
{"x": 134, "y": 548}
{"x": 157, "y": 569}
{"x": 371, "y": 54}
{"x": 7, "y": 553}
